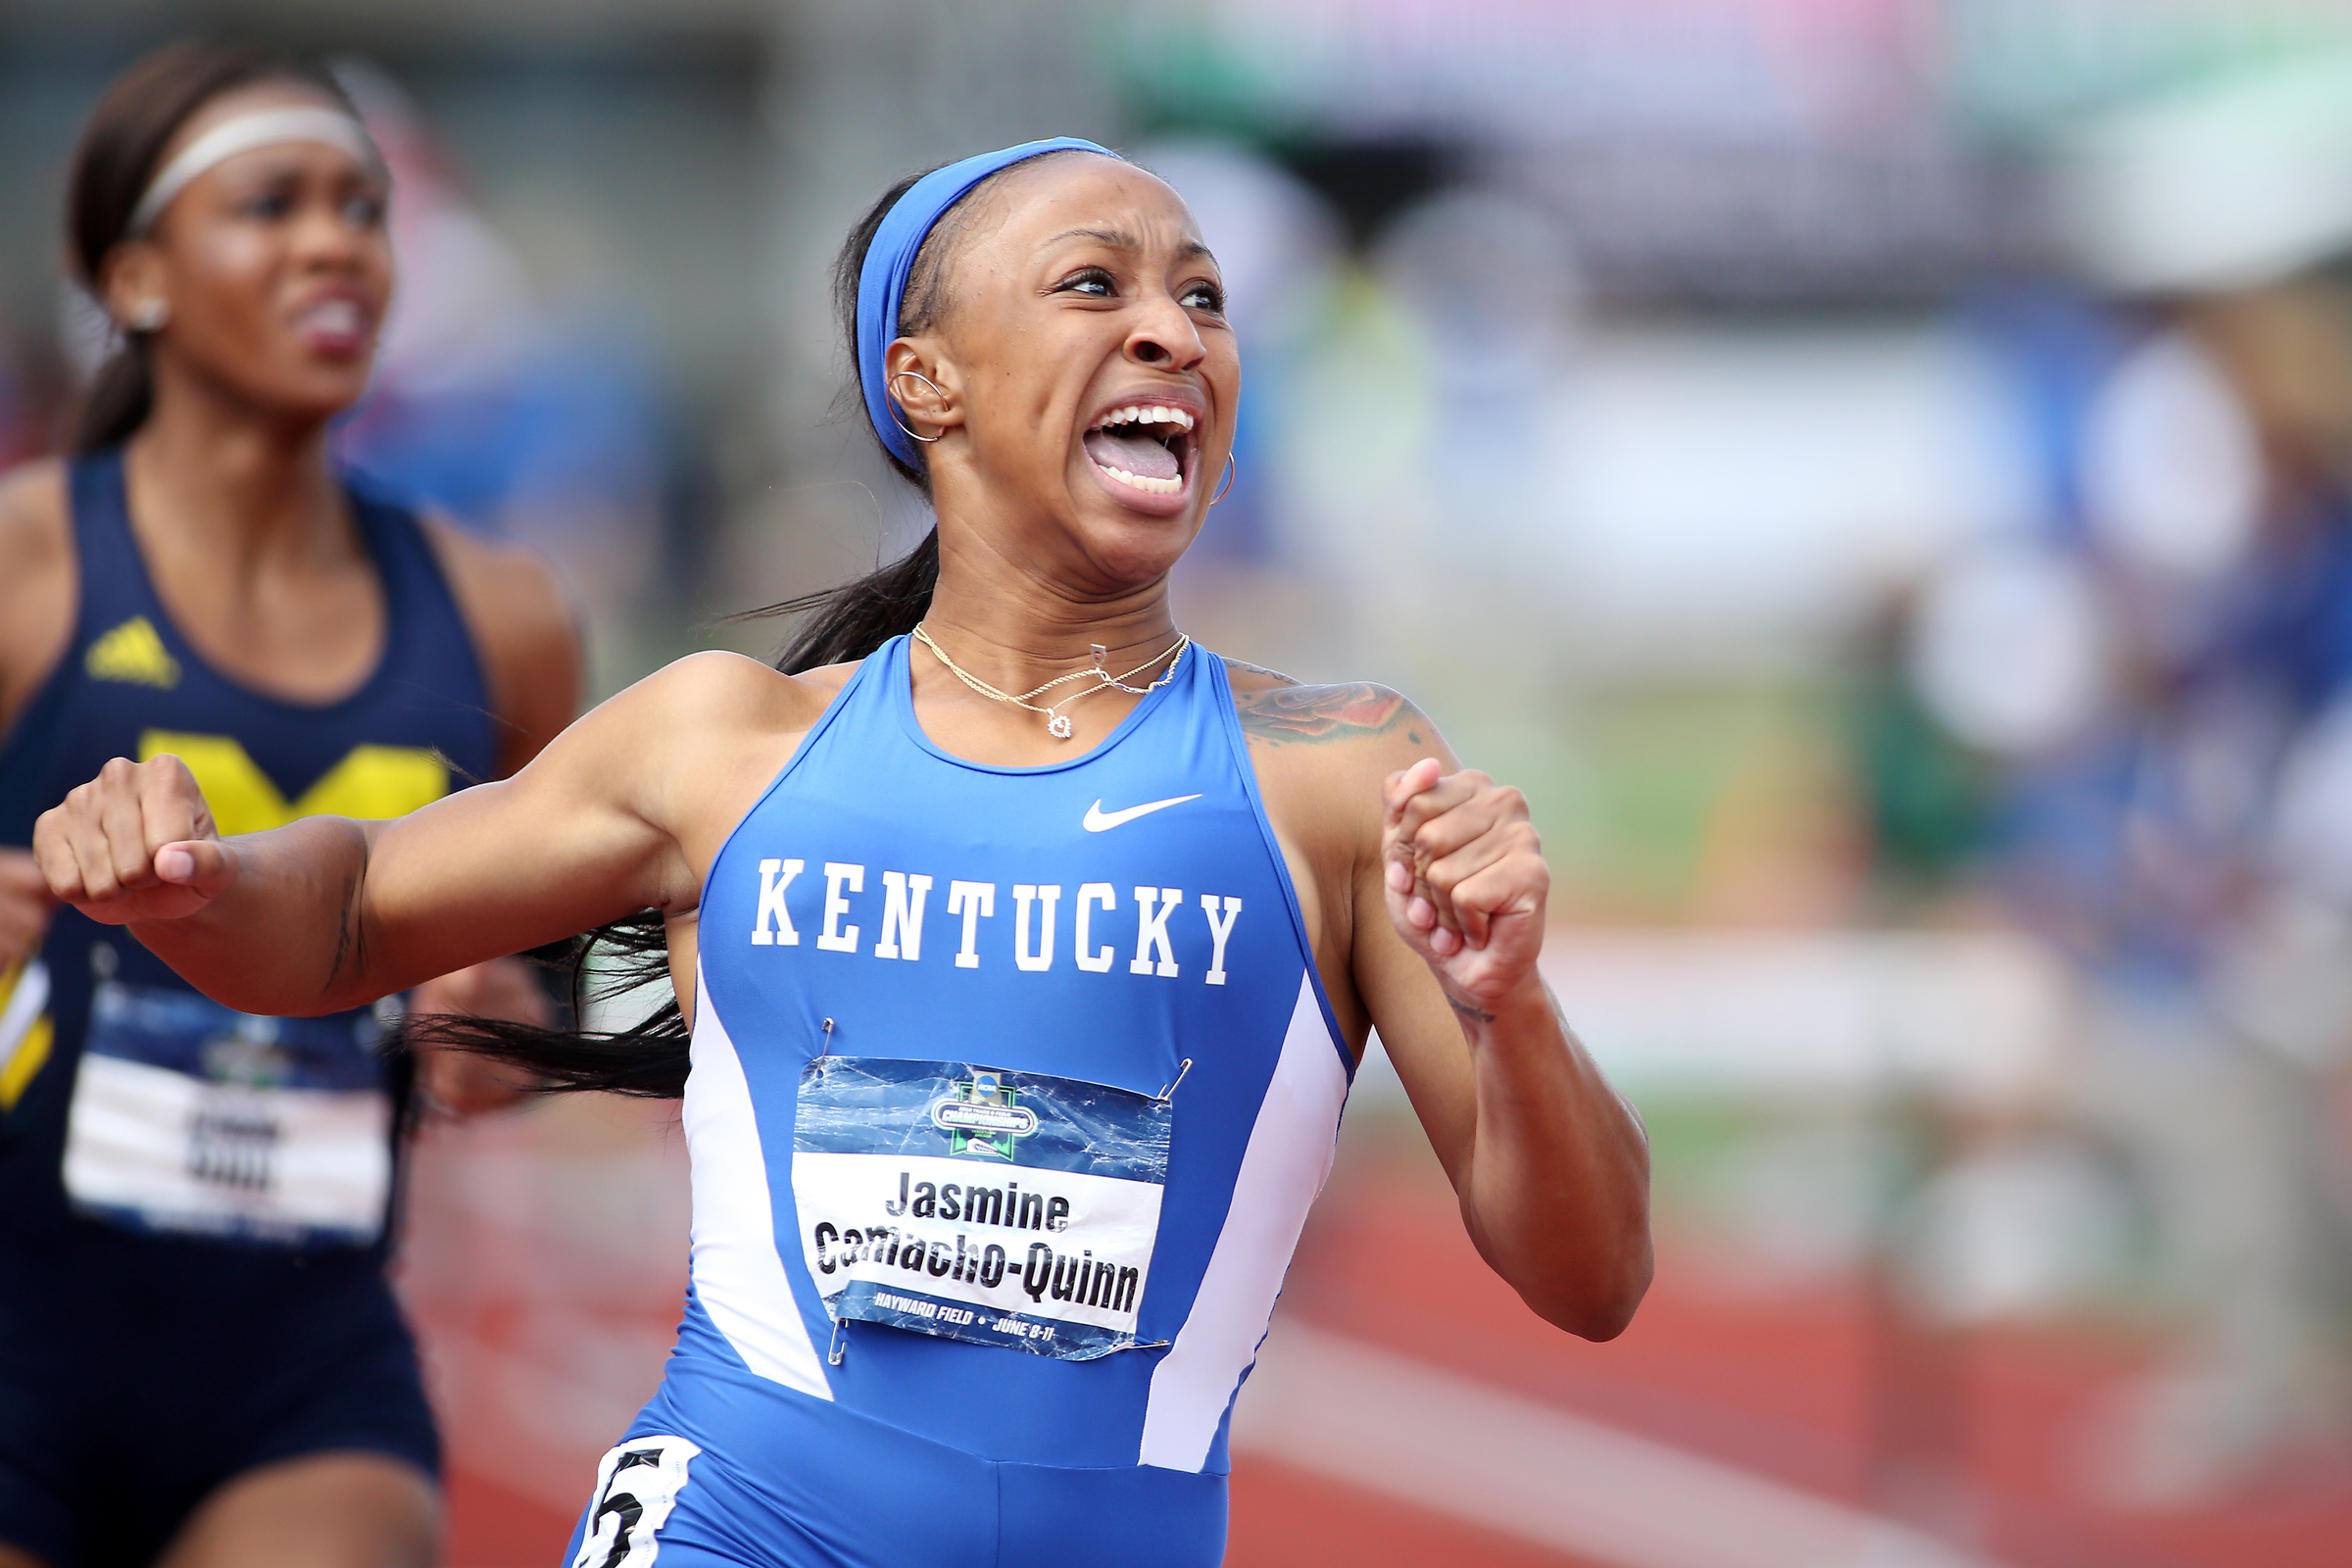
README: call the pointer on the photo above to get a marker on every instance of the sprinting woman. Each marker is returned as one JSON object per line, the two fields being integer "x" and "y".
{"x": 1027, "y": 946}
{"x": 200, "y": 1357}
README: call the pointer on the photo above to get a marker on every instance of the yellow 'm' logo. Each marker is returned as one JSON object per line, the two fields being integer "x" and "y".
{"x": 132, "y": 652}
{"x": 372, "y": 781}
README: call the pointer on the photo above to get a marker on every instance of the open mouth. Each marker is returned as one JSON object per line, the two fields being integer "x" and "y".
{"x": 1143, "y": 446}
{"x": 334, "y": 325}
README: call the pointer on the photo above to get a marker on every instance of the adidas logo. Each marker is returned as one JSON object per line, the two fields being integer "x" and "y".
{"x": 132, "y": 653}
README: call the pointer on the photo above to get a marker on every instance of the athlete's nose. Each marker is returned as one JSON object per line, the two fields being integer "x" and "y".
{"x": 323, "y": 237}
{"x": 1165, "y": 338}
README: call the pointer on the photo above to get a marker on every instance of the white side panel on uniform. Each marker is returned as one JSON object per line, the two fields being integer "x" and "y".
{"x": 738, "y": 1276}
{"x": 1284, "y": 1167}
{"x": 636, "y": 1486}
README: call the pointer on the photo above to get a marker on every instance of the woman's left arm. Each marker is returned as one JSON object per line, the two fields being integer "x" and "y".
{"x": 1550, "y": 1165}
{"x": 525, "y": 631}
{"x": 529, "y": 644}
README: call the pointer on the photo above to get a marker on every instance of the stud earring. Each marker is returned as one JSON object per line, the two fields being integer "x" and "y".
{"x": 149, "y": 316}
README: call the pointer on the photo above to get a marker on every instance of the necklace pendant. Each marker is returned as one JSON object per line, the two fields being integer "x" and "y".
{"x": 1058, "y": 726}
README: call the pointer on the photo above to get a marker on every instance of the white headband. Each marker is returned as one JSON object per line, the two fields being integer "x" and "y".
{"x": 264, "y": 128}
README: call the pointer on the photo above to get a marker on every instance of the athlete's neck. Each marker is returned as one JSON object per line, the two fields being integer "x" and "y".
{"x": 242, "y": 486}
{"x": 1015, "y": 623}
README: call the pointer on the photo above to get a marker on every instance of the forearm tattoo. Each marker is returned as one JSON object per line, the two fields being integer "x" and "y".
{"x": 351, "y": 936}
{"x": 1474, "y": 1013}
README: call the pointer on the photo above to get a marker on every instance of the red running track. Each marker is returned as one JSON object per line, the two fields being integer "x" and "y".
{"x": 546, "y": 1260}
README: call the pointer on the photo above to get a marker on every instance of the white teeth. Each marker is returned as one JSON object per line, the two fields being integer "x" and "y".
{"x": 336, "y": 315}
{"x": 1144, "y": 482}
{"x": 1146, "y": 414}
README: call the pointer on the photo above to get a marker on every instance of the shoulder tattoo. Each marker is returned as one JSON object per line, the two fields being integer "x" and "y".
{"x": 1293, "y": 713}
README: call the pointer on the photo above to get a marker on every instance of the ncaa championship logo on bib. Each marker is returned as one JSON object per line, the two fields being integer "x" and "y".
{"x": 1016, "y": 1209}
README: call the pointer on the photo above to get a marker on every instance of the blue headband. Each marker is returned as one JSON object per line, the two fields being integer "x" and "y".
{"x": 882, "y": 279}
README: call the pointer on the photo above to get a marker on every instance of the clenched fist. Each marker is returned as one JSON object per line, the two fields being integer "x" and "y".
{"x": 1466, "y": 880}
{"x": 135, "y": 842}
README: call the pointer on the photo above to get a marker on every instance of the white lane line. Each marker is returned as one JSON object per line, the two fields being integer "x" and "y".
{"x": 1345, "y": 1410}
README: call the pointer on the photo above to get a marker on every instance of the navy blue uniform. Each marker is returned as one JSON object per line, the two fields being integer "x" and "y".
{"x": 196, "y": 1206}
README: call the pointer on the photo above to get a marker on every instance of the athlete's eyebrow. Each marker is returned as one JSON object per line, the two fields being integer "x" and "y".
{"x": 1120, "y": 239}
{"x": 1116, "y": 238}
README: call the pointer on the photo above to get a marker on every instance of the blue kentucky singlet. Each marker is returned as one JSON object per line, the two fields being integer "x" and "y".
{"x": 1011, "y": 1091}
{"x": 140, "y": 1123}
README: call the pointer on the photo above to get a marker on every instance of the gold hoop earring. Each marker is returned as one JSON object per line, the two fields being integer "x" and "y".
{"x": 1231, "y": 469}
{"x": 897, "y": 408}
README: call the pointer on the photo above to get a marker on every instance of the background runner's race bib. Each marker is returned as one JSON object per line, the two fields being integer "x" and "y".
{"x": 1008, "y": 1208}
{"x": 190, "y": 1116}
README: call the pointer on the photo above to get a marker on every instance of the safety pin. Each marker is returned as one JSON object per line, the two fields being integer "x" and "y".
{"x": 1182, "y": 1068}
{"x": 827, "y": 1050}
{"x": 839, "y": 1348}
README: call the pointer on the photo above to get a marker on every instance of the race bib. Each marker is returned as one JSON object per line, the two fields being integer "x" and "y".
{"x": 191, "y": 1117}
{"x": 1008, "y": 1208}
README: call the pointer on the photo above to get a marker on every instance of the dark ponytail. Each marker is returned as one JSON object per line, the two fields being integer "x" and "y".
{"x": 113, "y": 165}
{"x": 854, "y": 619}
{"x": 840, "y": 625}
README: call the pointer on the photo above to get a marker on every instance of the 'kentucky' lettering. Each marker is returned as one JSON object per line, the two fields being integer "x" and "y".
{"x": 1024, "y": 895}
{"x": 1035, "y": 927}
{"x": 902, "y": 916}
{"x": 834, "y": 938}
{"x": 772, "y": 906}
{"x": 972, "y": 900}
{"x": 1151, "y": 930}
{"x": 1099, "y": 959}
{"x": 1219, "y": 932}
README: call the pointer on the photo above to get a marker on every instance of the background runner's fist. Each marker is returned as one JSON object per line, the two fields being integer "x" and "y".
{"x": 1466, "y": 879}
{"x": 24, "y": 905}
{"x": 135, "y": 842}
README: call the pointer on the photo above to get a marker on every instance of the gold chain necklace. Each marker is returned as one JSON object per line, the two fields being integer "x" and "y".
{"x": 1058, "y": 724}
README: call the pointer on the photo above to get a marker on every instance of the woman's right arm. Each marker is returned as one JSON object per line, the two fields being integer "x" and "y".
{"x": 38, "y": 596}
{"x": 617, "y": 816}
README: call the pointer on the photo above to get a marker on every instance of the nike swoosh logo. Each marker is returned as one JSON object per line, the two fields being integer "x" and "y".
{"x": 1098, "y": 821}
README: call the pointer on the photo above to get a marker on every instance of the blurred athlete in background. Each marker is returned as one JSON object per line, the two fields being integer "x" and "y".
{"x": 1028, "y": 948}
{"x": 201, "y": 1358}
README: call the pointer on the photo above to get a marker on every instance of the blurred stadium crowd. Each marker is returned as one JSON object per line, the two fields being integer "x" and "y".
{"x": 1878, "y": 472}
